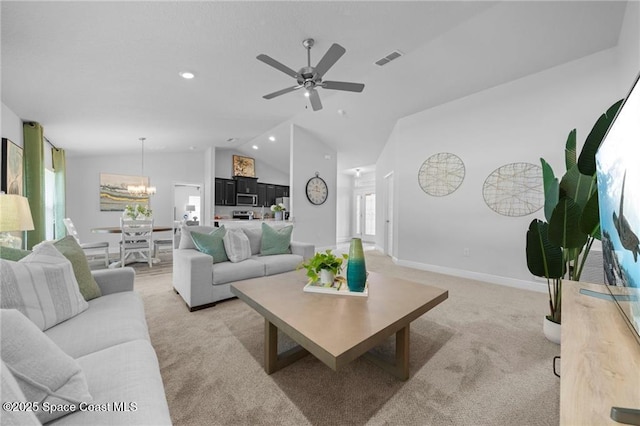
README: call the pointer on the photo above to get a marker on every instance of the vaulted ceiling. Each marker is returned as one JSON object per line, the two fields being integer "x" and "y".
{"x": 100, "y": 75}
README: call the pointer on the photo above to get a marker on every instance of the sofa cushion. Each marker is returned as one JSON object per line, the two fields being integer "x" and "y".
{"x": 127, "y": 375}
{"x": 42, "y": 286}
{"x": 10, "y": 253}
{"x": 186, "y": 242}
{"x": 10, "y": 392}
{"x": 226, "y": 272}
{"x": 211, "y": 244}
{"x": 275, "y": 241}
{"x": 43, "y": 371}
{"x": 236, "y": 245}
{"x": 255, "y": 239}
{"x": 70, "y": 248}
{"x": 110, "y": 320}
{"x": 280, "y": 263}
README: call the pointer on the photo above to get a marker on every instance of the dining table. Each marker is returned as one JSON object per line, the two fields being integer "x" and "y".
{"x": 118, "y": 230}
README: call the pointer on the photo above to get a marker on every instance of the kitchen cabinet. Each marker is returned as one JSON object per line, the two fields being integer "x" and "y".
{"x": 246, "y": 185}
{"x": 282, "y": 191}
{"x": 271, "y": 194}
{"x": 225, "y": 192}
{"x": 262, "y": 195}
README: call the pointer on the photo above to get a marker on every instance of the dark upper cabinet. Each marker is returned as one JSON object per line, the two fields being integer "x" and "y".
{"x": 271, "y": 194}
{"x": 282, "y": 191}
{"x": 246, "y": 185}
{"x": 262, "y": 195}
{"x": 225, "y": 192}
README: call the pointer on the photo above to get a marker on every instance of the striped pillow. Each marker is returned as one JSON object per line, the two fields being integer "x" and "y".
{"x": 42, "y": 286}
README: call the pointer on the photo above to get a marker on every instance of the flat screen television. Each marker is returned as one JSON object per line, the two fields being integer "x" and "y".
{"x": 618, "y": 174}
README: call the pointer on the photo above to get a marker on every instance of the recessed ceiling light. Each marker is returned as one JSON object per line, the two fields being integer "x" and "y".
{"x": 187, "y": 75}
{"x": 272, "y": 138}
{"x": 306, "y": 94}
{"x": 255, "y": 147}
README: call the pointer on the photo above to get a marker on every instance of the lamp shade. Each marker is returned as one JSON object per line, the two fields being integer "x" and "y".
{"x": 15, "y": 214}
{"x": 190, "y": 208}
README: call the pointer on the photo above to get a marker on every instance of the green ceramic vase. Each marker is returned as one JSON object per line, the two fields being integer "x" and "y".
{"x": 356, "y": 268}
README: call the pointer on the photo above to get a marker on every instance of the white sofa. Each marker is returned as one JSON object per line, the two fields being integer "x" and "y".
{"x": 202, "y": 283}
{"x": 110, "y": 341}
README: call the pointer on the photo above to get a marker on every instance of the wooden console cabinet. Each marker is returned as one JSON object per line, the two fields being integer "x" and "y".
{"x": 600, "y": 358}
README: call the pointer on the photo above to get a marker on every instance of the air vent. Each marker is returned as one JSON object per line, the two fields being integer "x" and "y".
{"x": 390, "y": 57}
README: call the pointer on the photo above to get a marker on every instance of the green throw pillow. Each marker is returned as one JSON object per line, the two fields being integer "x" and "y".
{"x": 70, "y": 248}
{"x": 10, "y": 253}
{"x": 275, "y": 241}
{"x": 211, "y": 244}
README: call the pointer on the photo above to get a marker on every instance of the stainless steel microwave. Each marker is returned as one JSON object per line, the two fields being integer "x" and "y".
{"x": 246, "y": 200}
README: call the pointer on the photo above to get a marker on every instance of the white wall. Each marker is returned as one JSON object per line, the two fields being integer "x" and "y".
{"x": 11, "y": 126}
{"x": 344, "y": 207}
{"x": 163, "y": 169}
{"x": 314, "y": 224}
{"x": 517, "y": 122}
{"x": 264, "y": 172}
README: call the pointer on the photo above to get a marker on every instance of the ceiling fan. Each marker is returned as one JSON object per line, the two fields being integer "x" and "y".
{"x": 310, "y": 78}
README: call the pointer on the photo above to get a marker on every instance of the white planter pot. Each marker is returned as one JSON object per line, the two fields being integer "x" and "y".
{"x": 326, "y": 276}
{"x": 278, "y": 215}
{"x": 552, "y": 331}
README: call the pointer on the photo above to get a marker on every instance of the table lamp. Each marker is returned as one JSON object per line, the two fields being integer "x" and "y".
{"x": 190, "y": 208}
{"x": 15, "y": 215}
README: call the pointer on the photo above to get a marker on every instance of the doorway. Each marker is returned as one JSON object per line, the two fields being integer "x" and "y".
{"x": 187, "y": 203}
{"x": 365, "y": 215}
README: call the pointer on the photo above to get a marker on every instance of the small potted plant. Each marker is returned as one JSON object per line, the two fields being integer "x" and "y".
{"x": 278, "y": 210}
{"x": 324, "y": 267}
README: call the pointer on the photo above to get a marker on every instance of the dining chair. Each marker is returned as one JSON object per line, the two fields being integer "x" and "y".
{"x": 137, "y": 240}
{"x": 103, "y": 245}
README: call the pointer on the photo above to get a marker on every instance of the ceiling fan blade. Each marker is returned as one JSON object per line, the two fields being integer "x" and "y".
{"x": 314, "y": 98}
{"x": 282, "y": 92}
{"x": 343, "y": 85}
{"x": 331, "y": 57}
{"x": 277, "y": 65}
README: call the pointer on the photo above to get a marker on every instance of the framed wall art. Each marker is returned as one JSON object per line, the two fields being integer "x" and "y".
{"x": 12, "y": 168}
{"x": 244, "y": 166}
{"x": 114, "y": 195}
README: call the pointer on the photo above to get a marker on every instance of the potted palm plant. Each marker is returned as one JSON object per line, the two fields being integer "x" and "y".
{"x": 324, "y": 267}
{"x": 558, "y": 248}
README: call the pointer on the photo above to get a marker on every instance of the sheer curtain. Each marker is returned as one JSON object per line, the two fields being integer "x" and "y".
{"x": 34, "y": 181}
{"x": 59, "y": 199}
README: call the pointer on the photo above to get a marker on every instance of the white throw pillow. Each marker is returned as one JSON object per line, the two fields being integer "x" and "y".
{"x": 15, "y": 413}
{"x": 236, "y": 244}
{"x": 42, "y": 286}
{"x": 45, "y": 373}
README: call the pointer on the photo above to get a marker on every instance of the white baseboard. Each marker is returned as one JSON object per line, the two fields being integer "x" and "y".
{"x": 479, "y": 276}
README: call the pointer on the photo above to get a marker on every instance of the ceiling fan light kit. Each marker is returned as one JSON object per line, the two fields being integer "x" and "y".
{"x": 310, "y": 78}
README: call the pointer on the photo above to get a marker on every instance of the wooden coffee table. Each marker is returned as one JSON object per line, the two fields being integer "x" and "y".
{"x": 337, "y": 329}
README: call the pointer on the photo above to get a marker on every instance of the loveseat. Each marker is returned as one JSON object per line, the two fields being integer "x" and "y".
{"x": 114, "y": 372}
{"x": 203, "y": 279}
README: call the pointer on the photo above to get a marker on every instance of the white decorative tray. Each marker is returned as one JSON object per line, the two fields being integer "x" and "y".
{"x": 342, "y": 290}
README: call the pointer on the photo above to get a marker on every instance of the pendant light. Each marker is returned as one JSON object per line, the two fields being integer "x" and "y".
{"x": 141, "y": 189}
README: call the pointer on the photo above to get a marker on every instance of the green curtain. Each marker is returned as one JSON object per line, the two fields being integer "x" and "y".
{"x": 34, "y": 180}
{"x": 60, "y": 170}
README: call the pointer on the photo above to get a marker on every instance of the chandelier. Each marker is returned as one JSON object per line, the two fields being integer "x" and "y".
{"x": 141, "y": 189}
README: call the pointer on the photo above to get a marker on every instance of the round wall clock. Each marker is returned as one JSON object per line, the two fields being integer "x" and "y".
{"x": 317, "y": 191}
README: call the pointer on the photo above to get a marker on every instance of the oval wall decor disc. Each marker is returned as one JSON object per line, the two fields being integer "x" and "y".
{"x": 515, "y": 189}
{"x": 441, "y": 174}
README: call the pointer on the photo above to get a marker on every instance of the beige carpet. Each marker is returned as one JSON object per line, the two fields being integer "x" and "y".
{"x": 479, "y": 358}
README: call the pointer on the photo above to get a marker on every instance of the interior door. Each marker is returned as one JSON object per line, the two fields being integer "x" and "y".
{"x": 388, "y": 220}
